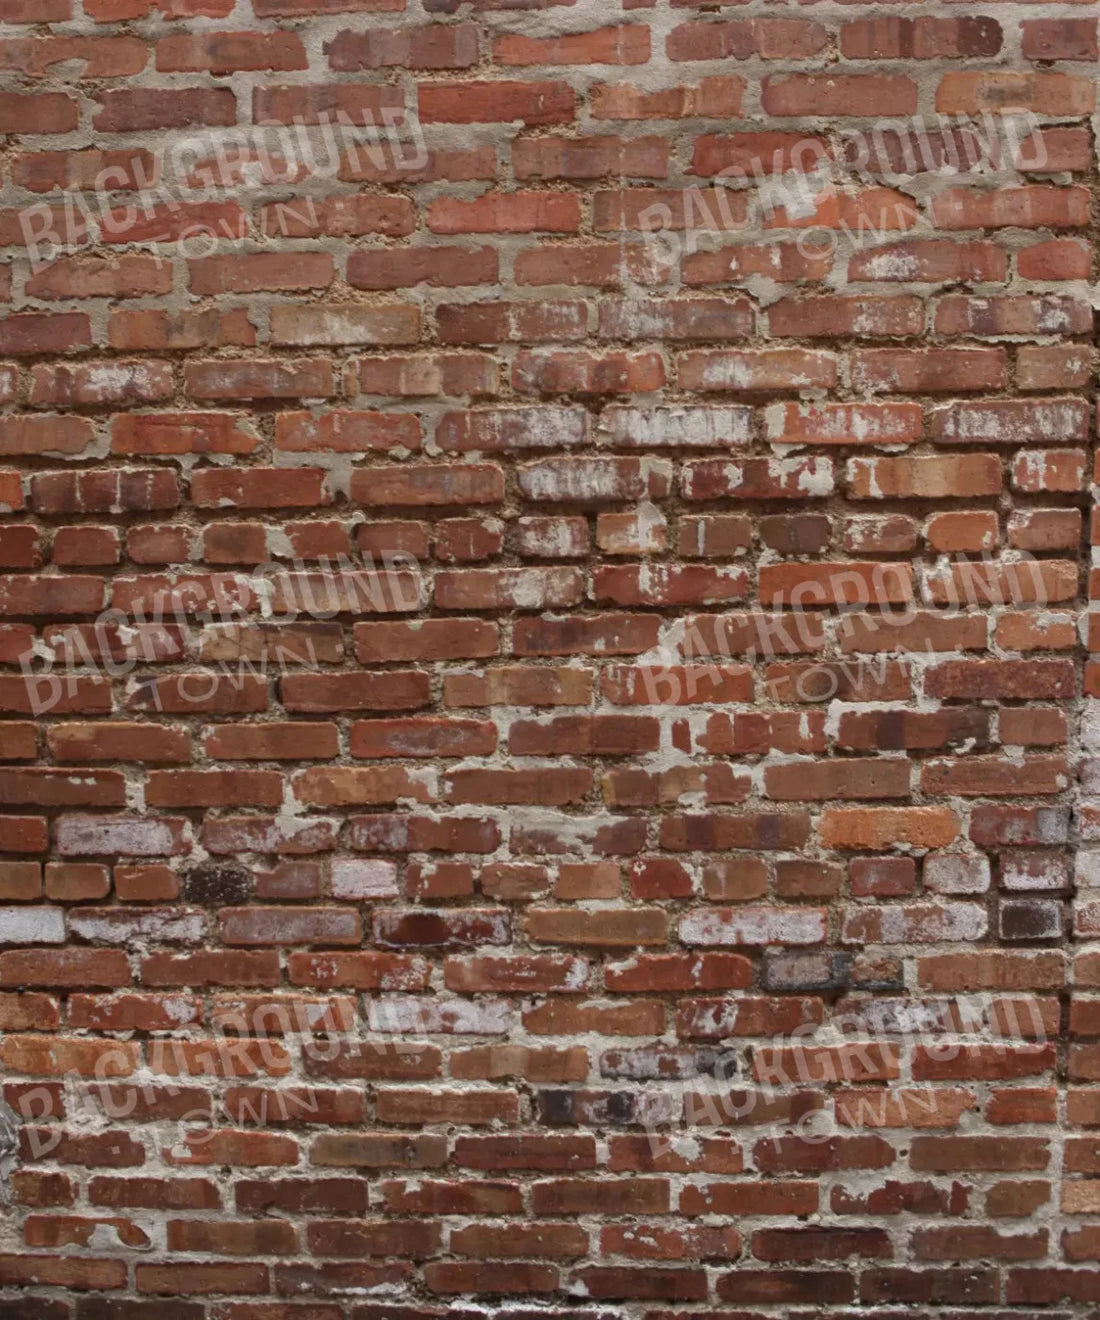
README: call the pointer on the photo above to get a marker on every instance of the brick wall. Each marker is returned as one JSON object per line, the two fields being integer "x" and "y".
{"x": 546, "y": 664}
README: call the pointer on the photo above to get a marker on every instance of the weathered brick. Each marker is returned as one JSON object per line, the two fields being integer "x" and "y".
{"x": 545, "y": 639}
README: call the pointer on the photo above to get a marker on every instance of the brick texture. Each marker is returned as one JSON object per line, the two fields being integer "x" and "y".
{"x": 551, "y": 760}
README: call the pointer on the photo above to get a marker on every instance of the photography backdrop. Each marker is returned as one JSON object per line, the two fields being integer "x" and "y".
{"x": 545, "y": 639}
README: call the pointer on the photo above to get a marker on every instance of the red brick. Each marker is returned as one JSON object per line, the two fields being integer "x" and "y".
{"x": 840, "y": 94}
{"x": 229, "y": 52}
{"x": 433, "y": 46}
{"x": 500, "y": 101}
{"x": 134, "y": 110}
{"x": 439, "y": 266}
{"x": 718, "y": 97}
